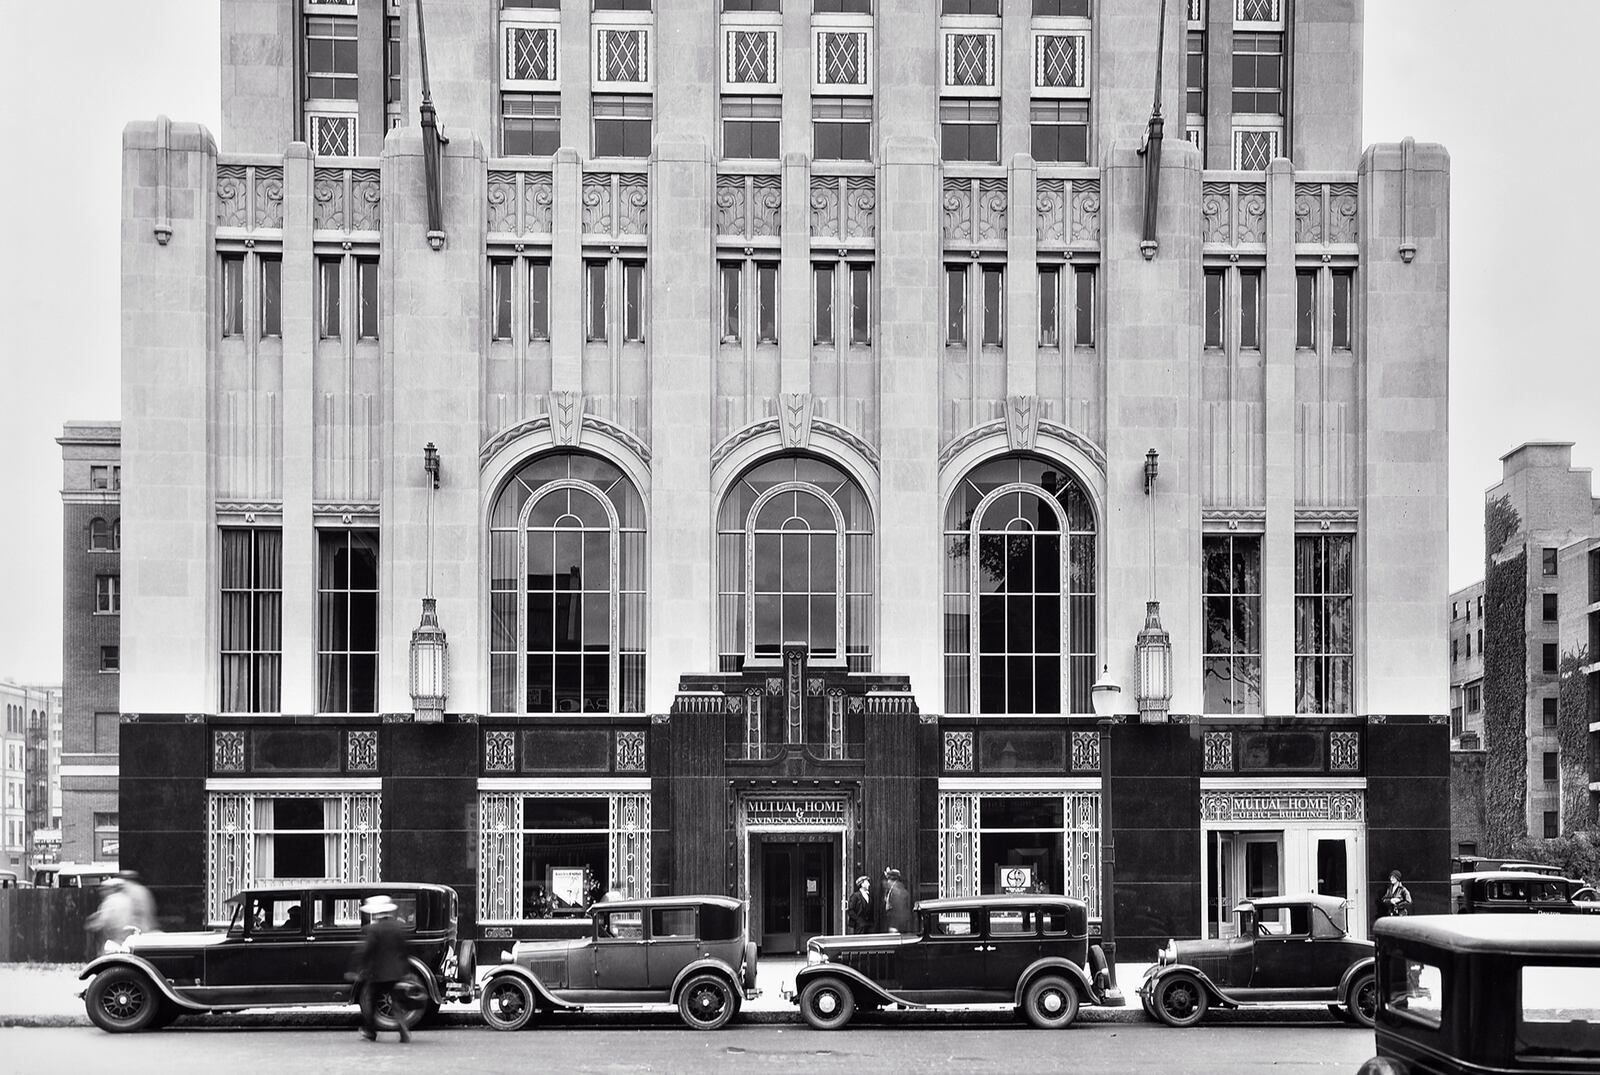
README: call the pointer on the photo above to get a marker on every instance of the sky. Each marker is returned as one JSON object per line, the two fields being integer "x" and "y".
{"x": 1508, "y": 97}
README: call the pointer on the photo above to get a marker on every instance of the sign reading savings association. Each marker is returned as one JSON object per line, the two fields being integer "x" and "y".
{"x": 796, "y": 811}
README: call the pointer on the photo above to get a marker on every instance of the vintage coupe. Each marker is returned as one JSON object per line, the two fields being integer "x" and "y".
{"x": 1518, "y": 892}
{"x": 1031, "y": 951}
{"x": 1487, "y": 993}
{"x": 1288, "y": 949}
{"x": 691, "y": 951}
{"x": 287, "y": 945}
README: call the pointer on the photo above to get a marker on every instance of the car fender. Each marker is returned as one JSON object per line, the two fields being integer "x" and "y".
{"x": 700, "y": 966}
{"x": 540, "y": 990}
{"x": 1066, "y": 967}
{"x": 428, "y": 978}
{"x": 1153, "y": 977}
{"x": 1352, "y": 972}
{"x": 860, "y": 983}
{"x": 128, "y": 959}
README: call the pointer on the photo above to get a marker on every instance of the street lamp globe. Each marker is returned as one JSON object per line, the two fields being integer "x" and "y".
{"x": 1105, "y": 694}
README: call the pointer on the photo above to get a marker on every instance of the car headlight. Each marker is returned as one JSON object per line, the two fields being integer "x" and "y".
{"x": 814, "y": 955}
{"x": 1169, "y": 954}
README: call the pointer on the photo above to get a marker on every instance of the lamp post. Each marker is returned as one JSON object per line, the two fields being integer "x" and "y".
{"x": 430, "y": 653}
{"x": 1105, "y": 694}
{"x": 1154, "y": 645}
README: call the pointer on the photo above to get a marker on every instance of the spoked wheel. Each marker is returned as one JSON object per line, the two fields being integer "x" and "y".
{"x": 1050, "y": 1003}
{"x": 122, "y": 1000}
{"x": 827, "y": 1003}
{"x": 707, "y": 1002}
{"x": 1363, "y": 999}
{"x": 1181, "y": 1000}
{"x": 384, "y": 1011}
{"x": 507, "y": 1003}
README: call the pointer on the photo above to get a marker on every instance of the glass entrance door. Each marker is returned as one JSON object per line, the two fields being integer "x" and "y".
{"x": 1243, "y": 865}
{"x": 797, "y": 894}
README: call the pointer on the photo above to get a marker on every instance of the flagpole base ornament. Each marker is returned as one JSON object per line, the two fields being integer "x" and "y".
{"x": 436, "y": 240}
{"x": 1148, "y": 248}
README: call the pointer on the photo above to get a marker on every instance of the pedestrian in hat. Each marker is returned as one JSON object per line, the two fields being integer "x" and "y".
{"x": 858, "y": 911}
{"x": 897, "y": 903}
{"x": 380, "y": 965}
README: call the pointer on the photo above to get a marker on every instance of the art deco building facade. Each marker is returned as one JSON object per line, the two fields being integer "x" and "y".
{"x": 786, "y": 380}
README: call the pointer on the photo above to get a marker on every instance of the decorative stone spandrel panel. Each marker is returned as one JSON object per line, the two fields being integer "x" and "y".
{"x": 843, "y": 207}
{"x": 1085, "y": 751}
{"x": 1086, "y": 211}
{"x": 346, "y": 199}
{"x": 1325, "y": 213}
{"x": 268, "y": 211}
{"x": 502, "y": 202}
{"x": 616, "y": 204}
{"x": 227, "y": 752}
{"x": 249, "y": 196}
{"x": 366, "y": 199}
{"x": 233, "y": 196}
{"x": 327, "y": 200}
{"x": 1217, "y": 752}
{"x": 749, "y": 206}
{"x": 957, "y": 203}
{"x": 361, "y": 752}
{"x": 1234, "y": 214}
{"x": 597, "y": 214}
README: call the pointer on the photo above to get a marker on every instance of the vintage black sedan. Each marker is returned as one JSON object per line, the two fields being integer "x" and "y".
{"x": 691, "y": 951}
{"x": 1031, "y": 951}
{"x": 1287, "y": 949}
{"x": 1487, "y": 993}
{"x": 288, "y": 945}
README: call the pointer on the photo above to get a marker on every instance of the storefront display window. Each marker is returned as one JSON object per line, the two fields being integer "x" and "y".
{"x": 1046, "y": 841}
{"x": 547, "y": 854}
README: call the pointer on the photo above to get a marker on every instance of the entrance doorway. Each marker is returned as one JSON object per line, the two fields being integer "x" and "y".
{"x": 798, "y": 893}
{"x": 1244, "y": 865}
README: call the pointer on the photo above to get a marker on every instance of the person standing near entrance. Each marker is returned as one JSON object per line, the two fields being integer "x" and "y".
{"x": 896, "y": 903}
{"x": 1398, "y": 898}
{"x": 858, "y": 910}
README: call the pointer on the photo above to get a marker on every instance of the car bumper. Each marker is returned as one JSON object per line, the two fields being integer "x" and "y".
{"x": 751, "y": 994}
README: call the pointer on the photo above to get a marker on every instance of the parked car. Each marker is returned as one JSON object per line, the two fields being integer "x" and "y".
{"x": 73, "y": 874}
{"x": 1031, "y": 951}
{"x": 1287, "y": 948}
{"x": 287, "y": 945}
{"x": 1516, "y": 892}
{"x": 9, "y": 879}
{"x": 1487, "y": 993}
{"x": 691, "y": 951}
{"x": 1479, "y": 864}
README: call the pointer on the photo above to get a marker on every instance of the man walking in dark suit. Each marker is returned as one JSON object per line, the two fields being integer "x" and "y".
{"x": 380, "y": 964}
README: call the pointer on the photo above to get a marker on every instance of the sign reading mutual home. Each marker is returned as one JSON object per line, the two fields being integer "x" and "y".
{"x": 1287, "y": 804}
{"x": 795, "y": 811}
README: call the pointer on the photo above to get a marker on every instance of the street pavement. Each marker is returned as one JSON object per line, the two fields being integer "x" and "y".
{"x": 957, "y": 1045}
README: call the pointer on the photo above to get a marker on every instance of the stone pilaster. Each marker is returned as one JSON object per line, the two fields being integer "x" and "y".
{"x": 1278, "y": 359}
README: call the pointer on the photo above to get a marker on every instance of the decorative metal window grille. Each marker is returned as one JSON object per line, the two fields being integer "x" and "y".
{"x": 969, "y": 59}
{"x": 1197, "y": 10}
{"x": 501, "y": 840}
{"x": 753, "y": 57}
{"x": 530, "y": 54}
{"x": 227, "y": 752}
{"x": 500, "y": 752}
{"x": 752, "y": 727}
{"x": 1253, "y": 150}
{"x": 1060, "y": 61}
{"x": 237, "y": 844}
{"x": 1253, "y": 10}
{"x": 841, "y": 59}
{"x": 622, "y": 56}
{"x": 331, "y": 136}
{"x": 958, "y": 752}
{"x": 961, "y": 840}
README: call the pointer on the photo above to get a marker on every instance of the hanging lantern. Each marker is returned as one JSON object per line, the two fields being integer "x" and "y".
{"x": 1154, "y": 650}
{"x": 430, "y": 666}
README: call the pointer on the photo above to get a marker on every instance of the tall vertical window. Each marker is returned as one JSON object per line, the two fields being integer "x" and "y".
{"x": 1216, "y": 310}
{"x": 1078, "y": 302}
{"x": 367, "y": 298}
{"x": 621, "y": 126}
{"x": 1550, "y": 662}
{"x": 1305, "y": 309}
{"x": 271, "y": 295}
{"x": 1250, "y": 309}
{"x": 841, "y": 128}
{"x": 1083, "y": 315}
{"x": 500, "y": 300}
{"x": 855, "y": 302}
{"x": 251, "y": 614}
{"x": 750, "y": 127}
{"x": 1194, "y": 71}
{"x": 539, "y": 299}
{"x": 567, "y": 563}
{"x": 767, "y": 303}
{"x": 233, "y": 294}
{"x": 394, "y": 51}
{"x": 731, "y": 275}
{"x": 1020, "y": 585}
{"x": 1343, "y": 280}
{"x": 1060, "y": 131}
{"x": 955, "y": 304}
{"x": 594, "y": 275}
{"x": 1323, "y": 623}
{"x": 969, "y": 130}
{"x": 108, "y": 593}
{"x": 1550, "y": 607}
{"x": 330, "y": 59}
{"x": 530, "y": 124}
{"x": 347, "y": 621}
{"x": 822, "y": 294}
{"x": 506, "y": 303}
{"x": 1552, "y": 766}
{"x": 633, "y": 301}
{"x": 749, "y": 299}
{"x": 794, "y": 564}
{"x": 1552, "y": 824}
{"x": 994, "y": 290}
{"x": 329, "y": 290}
{"x": 1258, "y": 73}
{"x": 1231, "y": 598}
{"x": 1548, "y": 562}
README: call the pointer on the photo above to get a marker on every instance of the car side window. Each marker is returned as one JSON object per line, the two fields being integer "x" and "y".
{"x": 620, "y": 925}
{"x": 281, "y": 915}
{"x": 335, "y": 913}
{"x": 1055, "y": 922}
{"x": 1413, "y": 989}
{"x": 952, "y": 924}
{"x": 672, "y": 923}
{"x": 1299, "y": 921}
{"x": 1019, "y": 923}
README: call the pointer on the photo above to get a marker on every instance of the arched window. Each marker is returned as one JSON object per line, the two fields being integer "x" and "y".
{"x": 794, "y": 564}
{"x": 566, "y": 568}
{"x": 1020, "y": 614}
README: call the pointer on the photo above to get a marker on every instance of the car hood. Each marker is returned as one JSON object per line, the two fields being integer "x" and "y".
{"x": 857, "y": 942}
{"x": 538, "y": 950}
{"x": 161, "y": 942}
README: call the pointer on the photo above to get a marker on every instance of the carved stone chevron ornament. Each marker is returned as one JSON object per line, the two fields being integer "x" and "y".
{"x": 566, "y": 418}
{"x": 794, "y": 418}
{"x": 1022, "y": 422}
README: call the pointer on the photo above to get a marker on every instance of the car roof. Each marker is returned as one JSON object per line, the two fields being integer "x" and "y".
{"x": 999, "y": 899}
{"x": 1510, "y": 933}
{"x": 1509, "y": 875}
{"x": 638, "y": 902}
{"x": 338, "y": 888}
{"x": 1330, "y": 904}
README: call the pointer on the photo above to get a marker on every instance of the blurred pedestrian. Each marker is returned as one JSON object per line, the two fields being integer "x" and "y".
{"x": 113, "y": 921}
{"x": 380, "y": 966}
{"x": 142, "y": 903}
{"x": 858, "y": 911}
{"x": 897, "y": 903}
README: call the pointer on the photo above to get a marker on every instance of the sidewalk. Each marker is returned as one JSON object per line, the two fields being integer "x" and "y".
{"x": 38, "y": 994}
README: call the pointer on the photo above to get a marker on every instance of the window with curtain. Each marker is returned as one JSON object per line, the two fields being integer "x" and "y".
{"x": 256, "y": 836}
{"x": 1324, "y": 645}
{"x": 794, "y": 564}
{"x": 347, "y": 621}
{"x": 1020, "y": 590}
{"x": 251, "y": 612}
{"x": 550, "y": 854}
{"x": 567, "y": 563}
{"x": 1231, "y": 595}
